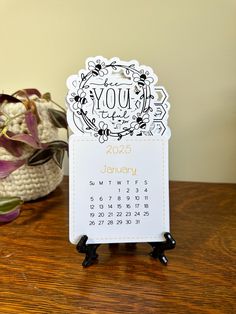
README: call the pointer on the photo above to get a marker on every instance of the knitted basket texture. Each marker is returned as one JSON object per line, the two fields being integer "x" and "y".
{"x": 31, "y": 182}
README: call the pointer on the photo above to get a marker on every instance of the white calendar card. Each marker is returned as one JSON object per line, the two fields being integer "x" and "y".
{"x": 119, "y": 190}
{"x": 118, "y": 154}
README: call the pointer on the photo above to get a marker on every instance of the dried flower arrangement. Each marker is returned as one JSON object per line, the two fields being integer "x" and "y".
{"x": 28, "y": 129}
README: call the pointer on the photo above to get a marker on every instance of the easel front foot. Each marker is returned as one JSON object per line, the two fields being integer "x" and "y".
{"x": 89, "y": 249}
{"x": 160, "y": 247}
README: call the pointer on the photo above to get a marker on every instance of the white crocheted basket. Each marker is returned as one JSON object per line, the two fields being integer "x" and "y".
{"x": 31, "y": 182}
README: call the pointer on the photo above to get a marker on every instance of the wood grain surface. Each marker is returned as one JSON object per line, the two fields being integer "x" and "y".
{"x": 41, "y": 272}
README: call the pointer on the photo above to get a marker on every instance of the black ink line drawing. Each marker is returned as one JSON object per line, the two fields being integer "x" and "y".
{"x": 144, "y": 107}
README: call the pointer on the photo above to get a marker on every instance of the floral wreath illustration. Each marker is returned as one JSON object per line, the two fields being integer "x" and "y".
{"x": 99, "y": 68}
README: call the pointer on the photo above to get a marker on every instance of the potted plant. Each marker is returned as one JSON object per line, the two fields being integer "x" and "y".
{"x": 31, "y": 154}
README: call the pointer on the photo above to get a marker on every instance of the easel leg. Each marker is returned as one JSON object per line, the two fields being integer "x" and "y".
{"x": 89, "y": 249}
{"x": 160, "y": 247}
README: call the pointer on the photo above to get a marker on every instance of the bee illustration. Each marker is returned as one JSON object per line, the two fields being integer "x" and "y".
{"x": 140, "y": 122}
{"x": 78, "y": 99}
{"x": 142, "y": 78}
{"x": 103, "y": 132}
{"x": 98, "y": 68}
{"x": 81, "y": 97}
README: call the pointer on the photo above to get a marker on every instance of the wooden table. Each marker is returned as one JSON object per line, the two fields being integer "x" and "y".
{"x": 40, "y": 271}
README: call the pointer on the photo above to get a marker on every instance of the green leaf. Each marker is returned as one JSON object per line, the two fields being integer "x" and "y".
{"x": 40, "y": 157}
{"x": 8, "y": 204}
{"x": 55, "y": 145}
{"x": 58, "y": 118}
{"x": 58, "y": 157}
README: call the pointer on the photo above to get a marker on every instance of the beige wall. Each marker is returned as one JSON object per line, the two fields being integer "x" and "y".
{"x": 191, "y": 44}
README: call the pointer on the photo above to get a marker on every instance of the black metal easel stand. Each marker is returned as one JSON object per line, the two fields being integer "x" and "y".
{"x": 158, "y": 249}
{"x": 89, "y": 250}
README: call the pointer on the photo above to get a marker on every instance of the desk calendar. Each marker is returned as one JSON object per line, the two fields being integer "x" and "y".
{"x": 118, "y": 157}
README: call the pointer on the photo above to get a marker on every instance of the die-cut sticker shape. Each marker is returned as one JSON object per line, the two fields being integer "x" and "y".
{"x": 116, "y": 99}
